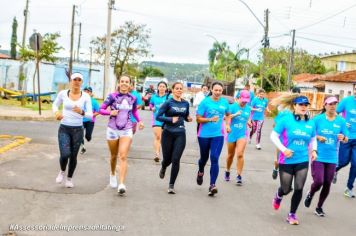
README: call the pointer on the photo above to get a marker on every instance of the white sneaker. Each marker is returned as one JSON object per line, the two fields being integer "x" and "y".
{"x": 113, "y": 181}
{"x": 349, "y": 193}
{"x": 60, "y": 177}
{"x": 69, "y": 183}
{"x": 258, "y": 146}
{"x": 121, "y": 189}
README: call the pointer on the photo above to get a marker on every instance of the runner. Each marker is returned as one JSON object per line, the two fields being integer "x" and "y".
{"x": 298, "y": 136}
{"x": 139, "y": 105}
{"x": 70, "y": 133}
{"x": 237, "y": 138}
{"x": 119, "y": 132}
{"x": 173, "y": 113}
{"x": 155, "y": 103}
{"x": 259, "y": 105}
{"x": 199, "y": 97}
{"x": 88, "y": 124}
{"x": 210, "y": 115}
{"x": 347, "y": 151}
{"x": 331, "y": 129}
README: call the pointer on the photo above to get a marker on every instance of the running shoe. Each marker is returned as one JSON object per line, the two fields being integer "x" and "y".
{"x": 82, "y": 150}
{"x": 274, "y": 174}
{"x": 121, "y": 189}
{"x": 227, "y": 176}
{"x": 200, "y": 178}
{"x": 113, "y": 181}
{"x": 171, "y": 189}
{"x": 162, "y": 172}
{"x": 212, "y": 190}
{"x": 258, "y": 146}
{"x": 239, "y": 180}
{"x": 308, "y": 200}
{"x": 335, "y": 178}
{"x": 349, "y": 193}
{"x": 60, "y": 177}
{"x": 276, "y": 202}
{"x": 69, "y": 183}
{"x": 292, "y": 219}
{"x": 156, "y": 159}
{"x": 319, "y": 212}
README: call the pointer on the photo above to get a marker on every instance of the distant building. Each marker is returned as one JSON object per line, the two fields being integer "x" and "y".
{"x": 340, "y": 84}
{"x": 339, "y": 61}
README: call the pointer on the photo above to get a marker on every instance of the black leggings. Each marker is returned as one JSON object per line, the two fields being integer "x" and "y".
{"x": 69, "y": 140}
{"x": 88, "y": 128}
{"x": 173, "y": 145}
{"x": 288, "y": 172}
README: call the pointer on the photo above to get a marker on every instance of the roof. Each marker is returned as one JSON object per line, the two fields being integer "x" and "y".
{"x": 345, "y": 77}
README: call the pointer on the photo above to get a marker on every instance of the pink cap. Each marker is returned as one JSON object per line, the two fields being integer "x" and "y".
{"x": 245, "y": 96}
{"x": 330, "y": 100}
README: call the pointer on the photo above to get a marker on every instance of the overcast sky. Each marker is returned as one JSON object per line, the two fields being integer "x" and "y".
{"x": 181, "y": 28}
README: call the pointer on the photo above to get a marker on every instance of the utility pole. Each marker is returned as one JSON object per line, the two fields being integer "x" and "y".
{"x": 71, "y": 43}
{"x": 79, "y": 36}
{"x": 107, "y": 50}
{"x": 90, "y": 64}
{"x": 291, "y": 58}
{"x": 21, "y": 80}
{"x": 265, "y": 43}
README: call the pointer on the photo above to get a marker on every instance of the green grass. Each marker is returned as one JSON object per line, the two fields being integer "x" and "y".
{"x": 28, "y": 105}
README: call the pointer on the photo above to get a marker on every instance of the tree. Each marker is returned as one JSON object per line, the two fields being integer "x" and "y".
{"x": 128, "y": 44}
{"x": 151, "y": 72}
{"x": 13, "y": 51}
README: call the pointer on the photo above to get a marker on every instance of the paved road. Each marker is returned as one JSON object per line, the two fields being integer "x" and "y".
{"x": 29, "y": 196}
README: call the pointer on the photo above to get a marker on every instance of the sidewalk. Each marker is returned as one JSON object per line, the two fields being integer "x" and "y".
{"x": 19, "y": 113}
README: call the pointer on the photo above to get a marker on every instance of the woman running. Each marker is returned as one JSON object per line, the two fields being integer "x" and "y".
{"x": 119, "y": 131}
{"x": 330, "y": 129}
{"x": 259, "y": 104}
{"x": 155, "y": 103}
{"x": 70, "y": 133}
{"x": 240, "y": 117}
{"x": 173, "y": 113}
{"x": 298, "y": 132}
{"x": 210, "y": 116}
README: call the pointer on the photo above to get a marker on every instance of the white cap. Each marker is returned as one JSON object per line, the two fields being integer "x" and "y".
{"x": 76, "y": 75}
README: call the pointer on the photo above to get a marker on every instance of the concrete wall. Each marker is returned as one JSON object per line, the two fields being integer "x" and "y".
{"x": 337, "y": 87}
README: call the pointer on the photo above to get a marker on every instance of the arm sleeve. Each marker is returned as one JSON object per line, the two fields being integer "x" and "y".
{"x": 57, "y": 102}
{"x": 160, "y": 115}
{"x": 135, "y": 112}
{"x": 103, "y": 108}
{"x": 277, "y": 142}
{"x": 96, "y": 106}
{"x": 344, "y": 129}
{"x": 341, "y": 106}
{"x": 314, "y": 143}
{"x": 201, "y": 108}
{"x": 88, "y": 108}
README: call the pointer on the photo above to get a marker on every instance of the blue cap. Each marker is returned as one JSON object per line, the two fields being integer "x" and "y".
{"x": 301, "y": 100}
{"x": 89, "y": 89}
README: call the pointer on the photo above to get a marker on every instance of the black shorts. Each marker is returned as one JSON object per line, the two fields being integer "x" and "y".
{"x": 293, "y": 168}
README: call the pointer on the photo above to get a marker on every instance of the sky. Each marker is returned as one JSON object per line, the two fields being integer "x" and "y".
{"x": 183, "y": 31}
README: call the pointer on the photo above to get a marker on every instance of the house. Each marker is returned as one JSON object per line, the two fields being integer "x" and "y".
{"x": 340, "y": 84}
{"x": 339, "y": 61}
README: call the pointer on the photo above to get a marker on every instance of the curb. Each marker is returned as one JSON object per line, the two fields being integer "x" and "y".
{"x": 26, "y": 118}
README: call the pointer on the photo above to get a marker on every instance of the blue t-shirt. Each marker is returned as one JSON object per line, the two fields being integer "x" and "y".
{"x": 296, "y": 136}
{"x": 138, "y": 97}
{"x": 95, "y": 106}
{"x": 156, "y": 101}
{"x": 328, "y": 150}
{"x": 209, "y": 108}
{"x": 347, "y": 107}
{"x": 260, "y": 104}
{"x": 238, "y": 123}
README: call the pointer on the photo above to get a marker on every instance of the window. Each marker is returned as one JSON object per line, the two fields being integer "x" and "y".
{"x": 349, "y": 93}
{"x": 341, "y": 66}
{"x": 341, "y": 95}
{"x": 330, "y": 91}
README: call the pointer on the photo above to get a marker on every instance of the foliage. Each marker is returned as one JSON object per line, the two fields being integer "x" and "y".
{"x": 13, "y": 51}
{"x": 128, "y": 44}
{"x": 151, "y": 72}
{"x": 47, "y": 52}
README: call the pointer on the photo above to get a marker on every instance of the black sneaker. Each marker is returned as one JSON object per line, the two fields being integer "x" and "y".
{"x": 319, "y": 212}
{"x": 274, "y": 174}
{"x": 162, "y": 172}
{"x": 200, "y": 178}
{"x": 83, "y": 150}
{"x": 308, "y": 200}
{"x": 212, "y": 190}
{"x": 335, "y": 178}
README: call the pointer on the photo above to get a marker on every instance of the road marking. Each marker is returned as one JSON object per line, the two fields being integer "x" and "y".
{"x": 17, "y": 141}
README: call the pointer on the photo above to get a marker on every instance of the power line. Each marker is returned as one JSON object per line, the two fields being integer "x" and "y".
{"x": 327, "y": 18}
{"x": 324, "y": 42}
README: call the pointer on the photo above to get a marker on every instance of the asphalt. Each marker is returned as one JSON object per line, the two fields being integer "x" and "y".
{"x": 29, "y": 195}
